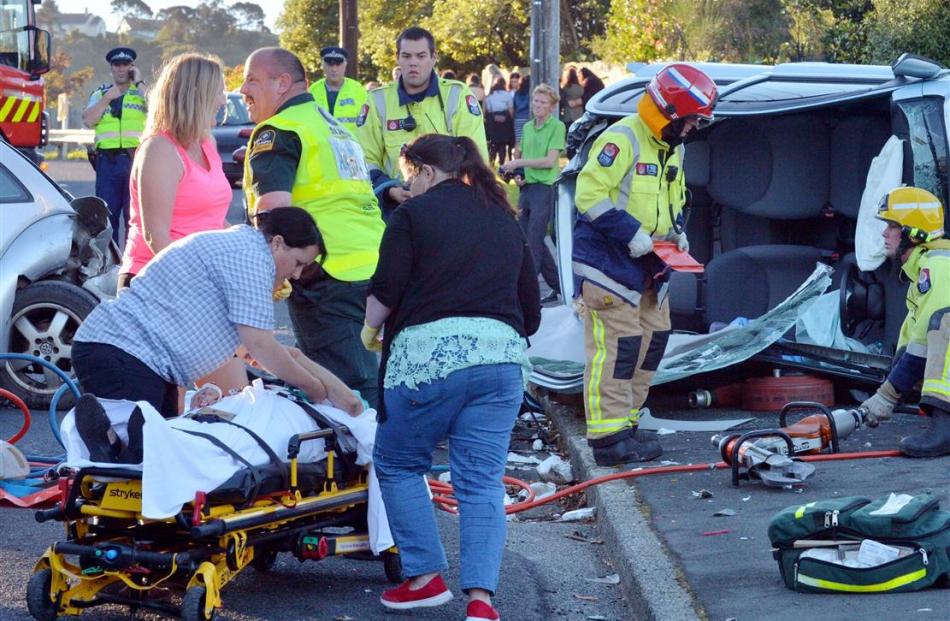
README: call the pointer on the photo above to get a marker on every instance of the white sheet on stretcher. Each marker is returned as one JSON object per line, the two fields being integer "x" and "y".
{"x": 176, "y": 465}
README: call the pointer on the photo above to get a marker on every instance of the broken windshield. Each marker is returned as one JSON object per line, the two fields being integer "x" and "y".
{"x": 928, "y": 143}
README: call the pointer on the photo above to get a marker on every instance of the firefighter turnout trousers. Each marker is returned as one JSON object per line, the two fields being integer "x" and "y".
{"x": 623, "y": 344}
{"x": 936, "y": 389}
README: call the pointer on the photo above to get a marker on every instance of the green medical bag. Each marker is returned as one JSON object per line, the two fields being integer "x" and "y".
{"x": 853, "y": 545}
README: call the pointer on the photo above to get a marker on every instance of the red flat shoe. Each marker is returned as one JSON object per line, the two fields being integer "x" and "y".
{"x": 480, "y": 611}
{"x": 434, "y": 593}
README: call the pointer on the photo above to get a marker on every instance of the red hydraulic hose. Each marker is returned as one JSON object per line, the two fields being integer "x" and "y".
{"x": 442, "y": 491}
{"x": 27, "y": 419}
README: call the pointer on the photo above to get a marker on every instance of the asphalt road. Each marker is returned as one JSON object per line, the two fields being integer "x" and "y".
{"x": 545, "y": 573}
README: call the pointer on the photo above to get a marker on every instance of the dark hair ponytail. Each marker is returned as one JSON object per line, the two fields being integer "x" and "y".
{"x": 294, "y": 224}
{"x": 460, "y": 158}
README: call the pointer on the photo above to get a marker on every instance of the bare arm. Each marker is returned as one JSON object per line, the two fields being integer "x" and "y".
{"x": 540, "y": 162}
{"x": 338, "y": 393}
{"x": 274, "y": 357}
{"x": 273, "y": 200}
{"x": 376, "y": 312}
{"x": 156, "y": 189}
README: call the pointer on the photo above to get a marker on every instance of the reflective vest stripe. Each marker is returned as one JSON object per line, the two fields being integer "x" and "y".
{"x": 593, "y": 274}
{"x": 888, "y": 585}
{"x": 596, "y": 369}
{"x": 451, "y": 106}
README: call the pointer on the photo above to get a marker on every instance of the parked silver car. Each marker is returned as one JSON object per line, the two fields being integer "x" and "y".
{"x": 57, "y": 261}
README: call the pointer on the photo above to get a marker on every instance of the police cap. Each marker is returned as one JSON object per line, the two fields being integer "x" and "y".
{"x": 120, "y": 55}
{"x": 334, "y": 54}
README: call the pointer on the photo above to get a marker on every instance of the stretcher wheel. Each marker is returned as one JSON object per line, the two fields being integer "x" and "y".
{"x": 193, "y": 605}
{"x": 392, "y": 563}
{"x": 264, "y": 560}
{"x": 37, "y": 596}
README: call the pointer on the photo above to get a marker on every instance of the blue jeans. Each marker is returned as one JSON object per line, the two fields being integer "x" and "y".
{"x": 475, "y": 408}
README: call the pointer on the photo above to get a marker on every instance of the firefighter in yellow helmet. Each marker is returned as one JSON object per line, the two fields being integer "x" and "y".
{"x": 630, "y": 192}
{"x": 915, "y": 236}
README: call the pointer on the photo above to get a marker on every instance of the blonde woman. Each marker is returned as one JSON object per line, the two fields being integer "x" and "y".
{"x": 178, "y": 186}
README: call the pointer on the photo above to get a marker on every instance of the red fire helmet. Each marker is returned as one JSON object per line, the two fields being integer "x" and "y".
{"x": 680, "y": 91}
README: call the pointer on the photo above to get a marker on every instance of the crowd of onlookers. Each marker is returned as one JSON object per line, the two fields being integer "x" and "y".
{"x": 506, "y": 103}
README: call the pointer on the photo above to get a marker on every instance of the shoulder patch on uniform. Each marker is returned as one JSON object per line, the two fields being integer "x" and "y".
{"x": 264, "y": 141}
{"x": 361, "y": 119}
{"x": 923, "y": 280}
{"x": 473, "y": 105}
{"x": 608, "y": 154}
{"x": 647, "y": 169}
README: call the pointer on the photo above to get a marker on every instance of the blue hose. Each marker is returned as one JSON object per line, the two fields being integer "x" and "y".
{"x": 68, "y": 384}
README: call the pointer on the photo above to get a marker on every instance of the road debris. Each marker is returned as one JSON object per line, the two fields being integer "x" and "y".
{"x": 578, "y": 514}
{"x": 608, "y": 579}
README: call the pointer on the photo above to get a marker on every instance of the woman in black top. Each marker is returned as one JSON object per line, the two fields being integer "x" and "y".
{"x": 457, "y": 290}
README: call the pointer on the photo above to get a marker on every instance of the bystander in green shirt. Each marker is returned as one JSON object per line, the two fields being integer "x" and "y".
{"x": 536, "y": 142}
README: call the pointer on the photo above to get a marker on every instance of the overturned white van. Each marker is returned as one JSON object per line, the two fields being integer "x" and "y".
{"x": 776, "y": 186}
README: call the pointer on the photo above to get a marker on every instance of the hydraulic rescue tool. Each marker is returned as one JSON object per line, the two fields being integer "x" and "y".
{"x": 769, "y": 454}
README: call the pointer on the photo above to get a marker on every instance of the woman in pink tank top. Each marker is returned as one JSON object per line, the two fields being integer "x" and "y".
{"x": 178, "y": 186}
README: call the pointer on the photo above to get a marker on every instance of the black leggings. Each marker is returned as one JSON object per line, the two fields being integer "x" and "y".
{"x": 110, "y": 373}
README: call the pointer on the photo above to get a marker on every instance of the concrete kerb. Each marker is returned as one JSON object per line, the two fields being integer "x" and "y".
{"x": 652, "y": 581}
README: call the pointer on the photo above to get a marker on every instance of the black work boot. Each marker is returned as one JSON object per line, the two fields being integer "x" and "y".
{"x": 133, "y": 452}
{"x": 95, "y": 430}
{"x": 629, "y": 445}
{"x": 935, "y": 442}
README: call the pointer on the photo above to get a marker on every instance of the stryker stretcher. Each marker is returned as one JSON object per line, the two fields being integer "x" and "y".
{"x": 114, "y": 554}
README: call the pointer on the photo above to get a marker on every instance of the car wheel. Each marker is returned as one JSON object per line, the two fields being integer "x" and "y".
{"x": 45, "y": 318}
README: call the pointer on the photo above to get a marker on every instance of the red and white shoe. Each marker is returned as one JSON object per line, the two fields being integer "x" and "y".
{"x": 434, "y": 593}
{"x": 480, "y": 611}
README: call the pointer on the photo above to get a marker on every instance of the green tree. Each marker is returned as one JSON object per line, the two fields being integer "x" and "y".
{"x": 48, "y": 15}
{"x": 132, "y": 8}
{"x": 469, "y": 36}
{"x": 61, "y": 79}
{"x": 582, "y": 21}
{"x": 249, "y": 16}
{"x": 306, "y": 26}
{"x": 636, "y": 30}
{"x": 917, "y": 26}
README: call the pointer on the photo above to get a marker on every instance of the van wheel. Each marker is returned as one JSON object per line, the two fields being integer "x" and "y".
{"x": 39, "y": 604}
{"x": 44, "y": 321}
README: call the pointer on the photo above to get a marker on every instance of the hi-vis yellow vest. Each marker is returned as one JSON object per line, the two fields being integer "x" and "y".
{"x": 332, "y": 184}
{"x": 125, "y": 132}
{"x": 349, "y": 100}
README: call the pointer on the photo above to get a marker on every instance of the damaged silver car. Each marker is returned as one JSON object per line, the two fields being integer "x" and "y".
{"x": 57, "y": 261}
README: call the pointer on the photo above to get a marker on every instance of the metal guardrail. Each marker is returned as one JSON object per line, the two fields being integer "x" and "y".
{"x": 72, "y": 136}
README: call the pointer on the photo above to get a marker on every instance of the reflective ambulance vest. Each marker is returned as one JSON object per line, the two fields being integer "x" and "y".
{"x": 381, "y": 126}
{"x": 928, "y": 271}
{"x": 124, "y": 132}
{"x": 332, "y": 184}
{"x": 349, "y": 100}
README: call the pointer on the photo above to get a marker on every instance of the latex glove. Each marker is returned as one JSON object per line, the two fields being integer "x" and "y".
{"x": 680, "y": 238}
{"x": 283, "y": 291}
{"x": 880, "y": 406}
{"x": 369, "y": 337}
{"x": 641, "y": 244}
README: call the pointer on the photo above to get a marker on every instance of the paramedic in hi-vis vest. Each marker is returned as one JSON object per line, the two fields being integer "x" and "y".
{"x": 343, "y": 97}
{"x": 299, "y": 155}
{"x": 117, "y": 112}
{"x": 630, "y": 192}
{"x": 915, "y": 236}
{"x": 418, "y": 102}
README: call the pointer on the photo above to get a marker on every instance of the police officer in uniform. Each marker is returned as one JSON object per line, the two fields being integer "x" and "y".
{"x": 342, "y": 96}
{"x": 419, "y": 102}
{"x": 915, "y": 236}
{"x": 117, "y": 112}
{"x": 300, "y": 155}
{"x": 630, "y": 192}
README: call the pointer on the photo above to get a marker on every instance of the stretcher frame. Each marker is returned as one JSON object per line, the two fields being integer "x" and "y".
{"x": 123, "y": 557}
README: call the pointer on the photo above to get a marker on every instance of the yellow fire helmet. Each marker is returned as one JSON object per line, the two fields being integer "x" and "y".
{"x": 917, "y": 211}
